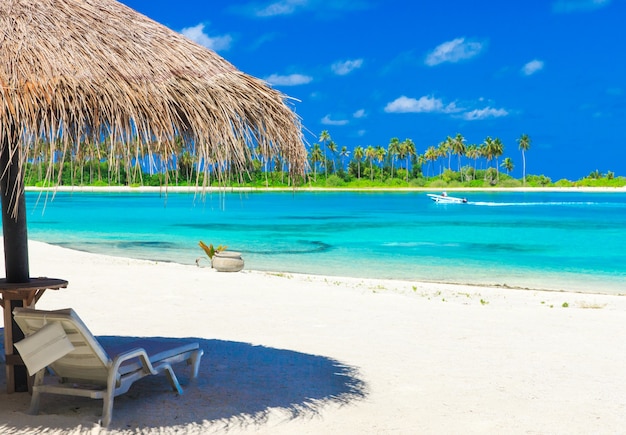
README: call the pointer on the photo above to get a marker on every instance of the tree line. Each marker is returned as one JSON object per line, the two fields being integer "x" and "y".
{"x": 402, "y": 157}
{"x": 451, "y": 163}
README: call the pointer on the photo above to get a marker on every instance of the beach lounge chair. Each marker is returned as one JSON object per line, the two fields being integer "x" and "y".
{"x": 59, "y": 342}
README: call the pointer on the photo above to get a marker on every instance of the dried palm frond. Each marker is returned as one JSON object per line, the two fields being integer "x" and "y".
{"x": 80, "y": 71}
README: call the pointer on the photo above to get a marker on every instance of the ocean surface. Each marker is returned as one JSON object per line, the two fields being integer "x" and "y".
{"x": 544, "y": 240}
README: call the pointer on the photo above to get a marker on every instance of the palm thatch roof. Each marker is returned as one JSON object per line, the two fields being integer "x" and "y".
{"x": 75, "y": 71}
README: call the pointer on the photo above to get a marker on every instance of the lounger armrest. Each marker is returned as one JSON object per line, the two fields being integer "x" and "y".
{"x": 131, "y": 354}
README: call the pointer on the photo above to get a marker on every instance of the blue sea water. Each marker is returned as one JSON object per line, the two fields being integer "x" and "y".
{"x": 544, "y": 240}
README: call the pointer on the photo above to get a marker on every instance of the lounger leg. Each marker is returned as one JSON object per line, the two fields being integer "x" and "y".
{"x": 107, "y": 408}
{"x": 173, "y": 379}
{"x": 34, "y": 401}
{"x": 195, "y": 362}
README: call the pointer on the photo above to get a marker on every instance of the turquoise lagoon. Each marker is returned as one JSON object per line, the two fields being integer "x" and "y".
{"x": 540, "y": 240}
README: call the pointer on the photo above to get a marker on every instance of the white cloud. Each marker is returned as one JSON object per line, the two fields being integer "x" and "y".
{"x": 327, "y": 121}
{"x": 278, "y": 8}
{"x": 454, "y": 51}
{"x": 359, "y": 114}
{"x": 436, "y": 105}
{"x": 405, "y": 104}
{"x": 283, "y": 7}
{"x": 568, "y": 6}
{"x": 216, "y": 43}
{"x": 487, "y": 112}
{"x": 289, "y": 80}
{"x": 532, "y": 67}
{"x": 346, "y": 67}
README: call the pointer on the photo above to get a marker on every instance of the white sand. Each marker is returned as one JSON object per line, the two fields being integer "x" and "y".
{"x": 294, "y": 354}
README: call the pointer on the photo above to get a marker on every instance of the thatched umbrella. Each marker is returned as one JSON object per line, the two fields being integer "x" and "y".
{"x": 76, "y": 71}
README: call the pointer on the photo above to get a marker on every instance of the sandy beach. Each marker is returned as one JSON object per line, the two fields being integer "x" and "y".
{"x": 297, "y": 354}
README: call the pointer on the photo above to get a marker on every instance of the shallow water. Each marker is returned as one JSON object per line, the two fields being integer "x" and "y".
{"x": 548, "y": 240}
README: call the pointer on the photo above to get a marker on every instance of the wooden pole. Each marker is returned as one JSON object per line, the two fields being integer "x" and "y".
{"x": 15, "y": 250}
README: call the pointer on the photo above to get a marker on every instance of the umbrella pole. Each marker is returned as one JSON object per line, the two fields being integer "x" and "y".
{"x": 15, "y": 248}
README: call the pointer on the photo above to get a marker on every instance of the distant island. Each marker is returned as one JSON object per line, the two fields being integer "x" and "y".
{"x": 451, "y": 164}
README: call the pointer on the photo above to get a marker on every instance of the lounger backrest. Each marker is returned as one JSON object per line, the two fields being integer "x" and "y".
{"x": 88, "y": 362}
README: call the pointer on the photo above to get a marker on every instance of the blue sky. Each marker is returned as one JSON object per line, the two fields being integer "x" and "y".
{"x": 370, "y": 70}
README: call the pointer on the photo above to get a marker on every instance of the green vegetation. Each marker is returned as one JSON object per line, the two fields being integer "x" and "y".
{"x": 452, "y": 163}
{"x": 210, "y": 251}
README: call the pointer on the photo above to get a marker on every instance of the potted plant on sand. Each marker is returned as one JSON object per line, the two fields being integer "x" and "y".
{"x": 222, "y": 260}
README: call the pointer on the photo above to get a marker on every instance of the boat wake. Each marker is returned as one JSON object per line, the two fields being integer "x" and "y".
{"x": 530, "y": 204}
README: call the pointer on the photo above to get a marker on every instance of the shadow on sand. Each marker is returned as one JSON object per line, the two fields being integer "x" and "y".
{"x": 239, "y": 385}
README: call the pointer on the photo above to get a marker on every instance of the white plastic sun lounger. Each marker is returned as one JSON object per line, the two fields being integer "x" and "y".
{"x": 60, "y": 342}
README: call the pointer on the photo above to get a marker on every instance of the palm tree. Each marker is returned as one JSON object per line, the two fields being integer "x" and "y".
{"x": 332, "y": 146}
{"x": 186, "y": 162}
{"x": 380, "y": 156}
{"x": 458, "y": 147}
{"x": 595, "y": 175}
{"x": 344, "y": 153}
{"x": 507, "y": 164}
{"x": 498, "y": 150}
{"x": 137, "y": 173}
{"x": 315, "y": 156}
{"x": 370, "y": 154}
{"x": 482, "y": 152}
{"x": 524, "y": 145}
{"x": 407, "y": 150}
{"x": 264, "y": 160}
{"x": 449, "y": 151}
{"x": 359, "y": 153}
{"x": 443, "y": 150}
{"x": 431, "y": 155}
{"x": 488, "y": 149}
{"x": 79, "y": 160}
{"x": 473, "y": 153}
{"x": 420, "y": 161}
{"x": 324, "y": 137}
{"x": 393, "y": 149}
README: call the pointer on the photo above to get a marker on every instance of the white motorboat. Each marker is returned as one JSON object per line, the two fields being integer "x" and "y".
{"x": 444, "y": 198}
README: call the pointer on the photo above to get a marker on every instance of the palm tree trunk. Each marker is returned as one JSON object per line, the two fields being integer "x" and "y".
{"x": 523, "y": 168}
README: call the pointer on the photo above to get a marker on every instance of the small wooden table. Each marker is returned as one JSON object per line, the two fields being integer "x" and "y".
{"x": 14, "y": 295}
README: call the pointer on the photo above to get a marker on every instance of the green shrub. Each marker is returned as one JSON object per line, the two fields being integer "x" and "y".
{"x": 491, "y": 176}
{"x": 510, "y": 182}
{"x": 335, "y": 181}
{"x": 395, "y": 182}
{"x": 538, "y": 180}
{"x": 437, "y": 183}
{"x": 478, "y": 183}
{"x": 468, "y": 173}
{"x": 417, "y": 182}
{"x": 401, "y": 174}
{"x": 563, "y": 182}
{"x": 449, "y": 175}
